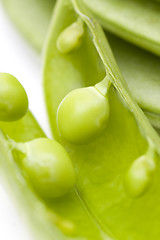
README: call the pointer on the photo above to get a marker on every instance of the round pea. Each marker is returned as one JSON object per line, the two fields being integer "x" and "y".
{"x": 48, "y": 167}
{"x": 82, "y": 115}
{"x": 13, "y": 98}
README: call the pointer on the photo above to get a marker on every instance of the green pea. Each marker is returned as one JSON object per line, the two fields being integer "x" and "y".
{"x": 139, "y": 176}
{"x": 47, "y": 166}
{"x": 13, "y": 98}
{"x": 82, "y": 115}
{"x": 71, "y": 37}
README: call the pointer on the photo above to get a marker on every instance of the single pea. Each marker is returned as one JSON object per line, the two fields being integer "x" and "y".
{"x": 139, "y": 176}
{"x": 82, "y": 115}
{"x": 13, "y": 98}
{"x": 71, "y": 37}
{"x": 47, "y": 166}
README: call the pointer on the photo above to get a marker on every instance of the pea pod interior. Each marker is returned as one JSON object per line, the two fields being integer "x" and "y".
{"x": 22, "y": 130}
{"x": 101, "y": 166}
{"x": 62, "y": 218}
{"x": 140, "y": 68}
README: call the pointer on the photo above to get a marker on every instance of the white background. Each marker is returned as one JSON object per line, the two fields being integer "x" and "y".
{"x": 19, "y": 59}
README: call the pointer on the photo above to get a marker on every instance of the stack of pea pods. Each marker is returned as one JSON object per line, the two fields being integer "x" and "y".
{"x": 99, "y": 178}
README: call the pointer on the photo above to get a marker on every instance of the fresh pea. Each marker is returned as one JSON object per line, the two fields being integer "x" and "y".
{"x": 139, "y": 176}
{"x": 83, "y": 114}
{"x": 71, "y": 37}
{"x": 47, "y": 165}
{"x": 13, "y": 98}
{"x": 102, "y": 166}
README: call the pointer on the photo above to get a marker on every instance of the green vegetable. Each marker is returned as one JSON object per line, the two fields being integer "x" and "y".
{"x": 141, "y": 72}
{"x": 31, "y": 166}
{"x": 47, "y": 166}
{"x": 102, "y": 166}
{"x": 83, "y": 115}
{"x": 13, "y": 98}
{"x": 25, "y": 129}
{"x": 71, "y": 37}
{"x": 31, "y": 17}
{"x": 101, "y": 201}
{"x": 45, "y": 162}
{"x": 139, "y": 175}
{"x": 140, "y": 68}
{"x": 60, "y": 218}
{"x": 137, "y": 21}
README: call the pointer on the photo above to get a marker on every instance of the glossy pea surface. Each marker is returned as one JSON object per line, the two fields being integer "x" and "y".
{"x": 13, "y": 98}
{"x": 48, "y": 167}
{"x": 82, "y": 115}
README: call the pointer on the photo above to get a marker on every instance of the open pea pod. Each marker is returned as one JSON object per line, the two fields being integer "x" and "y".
{"x": 39, "y": 170}
{"x": 15, "y": 120}
{"x": 137, "y": 21}
{"x": 61, "y": 218}
{"x": 23, "y": 130}
{"x": 118, "y": 172}
{"x": 31, "y": 17}
{"x": 140, "y": 69}
{"x": 141, "y": 27}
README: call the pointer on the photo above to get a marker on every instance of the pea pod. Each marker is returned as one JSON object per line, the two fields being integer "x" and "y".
{"x": 136, "y": 21}
{"x": 24, "y": 129}
{"x": 58, "y": 218}
{"x": 140, "y": 69}
{"x": 141, "y": 27}
{"x": 102, "y": 166}
{"x": 27, "y": 14}
{"x": 141, "y": 72}
{"x": 41, "y": 178}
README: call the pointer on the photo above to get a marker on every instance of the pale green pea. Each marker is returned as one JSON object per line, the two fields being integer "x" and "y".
{"x": 47, "y": 166}
{"x": 139, "y": 175}
{"x": 13, "y": 98}
{"x": 71, "y": 37}
{"x": 82, "y": 115}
